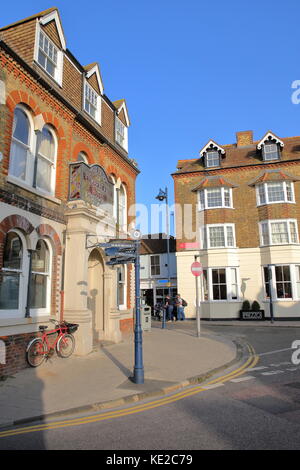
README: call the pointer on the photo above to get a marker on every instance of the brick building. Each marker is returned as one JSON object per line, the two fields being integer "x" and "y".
{"x": 242, "y": 218}
{"x": 66, "y": 183}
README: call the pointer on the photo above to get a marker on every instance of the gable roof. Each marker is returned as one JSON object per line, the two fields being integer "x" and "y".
{"x": 273, "y": 175}
{"x": 119, "y": 105}
{"x": 269, "y": 136}
{"x": 51, "y": 14}
{"x": 94, "y": 68}
{"x": 209, "y": 146}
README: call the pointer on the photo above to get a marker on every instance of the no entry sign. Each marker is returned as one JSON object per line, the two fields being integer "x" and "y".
{"x": 196, "y": 268}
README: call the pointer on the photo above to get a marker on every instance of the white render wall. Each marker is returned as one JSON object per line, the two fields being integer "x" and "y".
{"x": 249, "y": 262}
{"x": 146, "y": 265}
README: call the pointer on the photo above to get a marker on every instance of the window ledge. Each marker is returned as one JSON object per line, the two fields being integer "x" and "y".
{"x": 17, "y": 182}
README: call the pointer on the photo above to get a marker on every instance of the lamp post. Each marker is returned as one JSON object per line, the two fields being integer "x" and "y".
{"x": 163, "y": 196}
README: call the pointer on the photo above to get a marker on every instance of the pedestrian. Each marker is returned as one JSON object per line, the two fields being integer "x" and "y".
{"x": 157, "y": 310}
{"x": 179, "y": 302}
{"x": 169, "y": 306}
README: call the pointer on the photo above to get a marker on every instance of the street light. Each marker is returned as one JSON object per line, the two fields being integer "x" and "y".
{"x": 163, "y": 196}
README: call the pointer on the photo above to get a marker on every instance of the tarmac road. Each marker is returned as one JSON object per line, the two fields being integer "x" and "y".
{"x": 259, "y": 409}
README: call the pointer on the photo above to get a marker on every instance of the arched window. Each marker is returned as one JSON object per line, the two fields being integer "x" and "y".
{"x": 11, "y": 272}
{"x": 40, "y": 276}
{"x": 123, "y": 208}
{"x": 82, "y": 157}
{"x": 46, "y": 157}
{"x": 20, "y": 145}
{"x": 115, "y": 203}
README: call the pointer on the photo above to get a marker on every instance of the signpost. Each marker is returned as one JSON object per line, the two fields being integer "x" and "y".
{"x": 125, "y": 252}
{"x": 196, "y": 269}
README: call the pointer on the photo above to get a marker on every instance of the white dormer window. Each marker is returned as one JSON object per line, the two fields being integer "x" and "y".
{"x": 48, "y": 56}
{"x": 212, "y": 158}
{"x": 92, "y": 102}
{"x": 121, "y": 134}
{"x": 270, "y": 151}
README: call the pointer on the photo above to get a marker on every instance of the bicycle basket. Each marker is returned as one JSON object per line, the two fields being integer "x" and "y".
{"x": 71, "y": 327}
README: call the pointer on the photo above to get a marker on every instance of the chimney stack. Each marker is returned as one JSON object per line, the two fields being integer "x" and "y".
{"x": 244, "y": 138}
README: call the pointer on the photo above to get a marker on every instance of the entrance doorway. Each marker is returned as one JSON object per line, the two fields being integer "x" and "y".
{"x": 95, "y": 300}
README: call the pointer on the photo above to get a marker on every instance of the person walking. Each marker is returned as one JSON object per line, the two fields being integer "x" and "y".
{"x": 169, "y": 307}
{"x": 180, "y": 308}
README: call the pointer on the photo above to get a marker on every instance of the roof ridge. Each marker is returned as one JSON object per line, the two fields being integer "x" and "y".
{"x": 28, "y": 18}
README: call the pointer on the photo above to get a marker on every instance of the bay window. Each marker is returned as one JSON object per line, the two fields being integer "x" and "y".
{"x": 220, "y": 284}
{"x": 212, "y": 198}
{"x": 284, "y": 280}
{"x": 278, "y": 232}
{"x": 218, "y": 236}
{"x": 275, "y": 192}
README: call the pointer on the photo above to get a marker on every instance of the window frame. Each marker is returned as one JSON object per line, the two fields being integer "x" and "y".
{"x": 35, "y": 312}
{"x": 23, "y": 275}
{"x": 206, "y": 159}
{"x": 98, "y": 106}
{"x": 30, "y": 157}
{"x": 123, "y": 209}
{"x": 232, "y": 294}
{"x": 264, "y": 153}
{"x": 155, "y": 265}
{"x": 262, "y": 190}
{"x": 206, "y": 242}
{"x": 58, "y": 75}
{"x": 53, "y": 164}
{"x": 123, "y": 141}
{"x": 203, "y": 199}
{"x": 268, "y": 233}
{"x": 294, "y": 281}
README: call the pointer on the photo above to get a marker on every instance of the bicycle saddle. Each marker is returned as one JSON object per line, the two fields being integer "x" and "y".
{"x": 43, "y": 327}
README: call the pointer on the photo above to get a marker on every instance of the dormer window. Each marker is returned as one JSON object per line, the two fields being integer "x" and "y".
{"x": 121, "y": 134}
{"x": 269, "y": 146}
{"x": 92, "y": 102}
{"x": 270, "y": 151}
{"x": 212, "y": 158}
{"x": 47, "y": 56}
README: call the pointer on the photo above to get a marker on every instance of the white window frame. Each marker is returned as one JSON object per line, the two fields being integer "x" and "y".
{"x": 268, "y": 223}
{"x": 58, "y": 76}
{"x": 53, "y": 164}
{"x": 262, "y": 191}
{"x": 206, "y": 239}
{"x": 203, "y": 198}
{"x": 265, "y": 154}
{"x": 124, "y": 286}
{"x": 294, "y": 280}
{"x": 121, "y": 137}
{"x": 30, "y": 150}
{"x": 35, "y": 312}
{"x": 155, "y": 265}
{"x": 123, "y": 210}
{"x": 98, "y": 105}
{"x": 230, "y": 291}
{"x": 83, "y": 159}
{"x": 16, "y": 313}
{"x": 210, "y": 152}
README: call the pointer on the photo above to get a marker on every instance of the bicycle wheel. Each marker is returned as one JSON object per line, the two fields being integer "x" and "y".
{"x": 65, "y": 345}
{"x": 36, "y": 352}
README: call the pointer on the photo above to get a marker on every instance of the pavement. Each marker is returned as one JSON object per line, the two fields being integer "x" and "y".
{"x": 173, "y": 358}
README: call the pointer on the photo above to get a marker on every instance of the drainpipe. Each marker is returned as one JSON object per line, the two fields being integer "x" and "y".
{"x": 62, "y": 288}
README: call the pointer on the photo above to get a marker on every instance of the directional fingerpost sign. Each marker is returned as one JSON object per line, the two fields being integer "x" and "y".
{"x": 196, "y": 268}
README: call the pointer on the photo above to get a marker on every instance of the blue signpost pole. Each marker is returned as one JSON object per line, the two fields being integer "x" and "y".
{"x": 138, "y": 373}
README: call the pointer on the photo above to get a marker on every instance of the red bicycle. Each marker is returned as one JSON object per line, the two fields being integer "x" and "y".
{"x": 40, "y": 348}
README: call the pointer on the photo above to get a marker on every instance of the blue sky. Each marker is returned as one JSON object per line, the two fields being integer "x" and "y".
{"x": 190, "y": 71}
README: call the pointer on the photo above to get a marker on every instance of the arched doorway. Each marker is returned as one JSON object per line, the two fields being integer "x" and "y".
{"x": 95, "y": 301}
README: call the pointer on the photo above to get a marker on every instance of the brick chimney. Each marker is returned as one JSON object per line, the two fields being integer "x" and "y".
{"x": 244, "y": 138}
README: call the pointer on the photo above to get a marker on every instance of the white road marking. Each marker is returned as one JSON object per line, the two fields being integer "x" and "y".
{"x": 208, "y": 387}
{"x": 292, "y": 368}
{"x": 243, "y": 379}
{"x": 274, "y": 372}
{"x": 257, "y": 368}
{"x": 273, "y": 352}
{"x": 281, "y": 364}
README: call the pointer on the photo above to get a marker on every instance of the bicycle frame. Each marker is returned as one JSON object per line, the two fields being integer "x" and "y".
{"x": 61, "y": 330}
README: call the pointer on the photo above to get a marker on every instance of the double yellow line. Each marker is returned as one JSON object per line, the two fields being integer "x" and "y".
{"x": 251, "y": 362}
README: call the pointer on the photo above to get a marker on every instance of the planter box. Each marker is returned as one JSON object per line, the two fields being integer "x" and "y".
{"x": 252, "y": 315}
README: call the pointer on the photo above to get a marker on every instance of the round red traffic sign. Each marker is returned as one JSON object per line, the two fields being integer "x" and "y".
{"x": 196, "y": 268}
